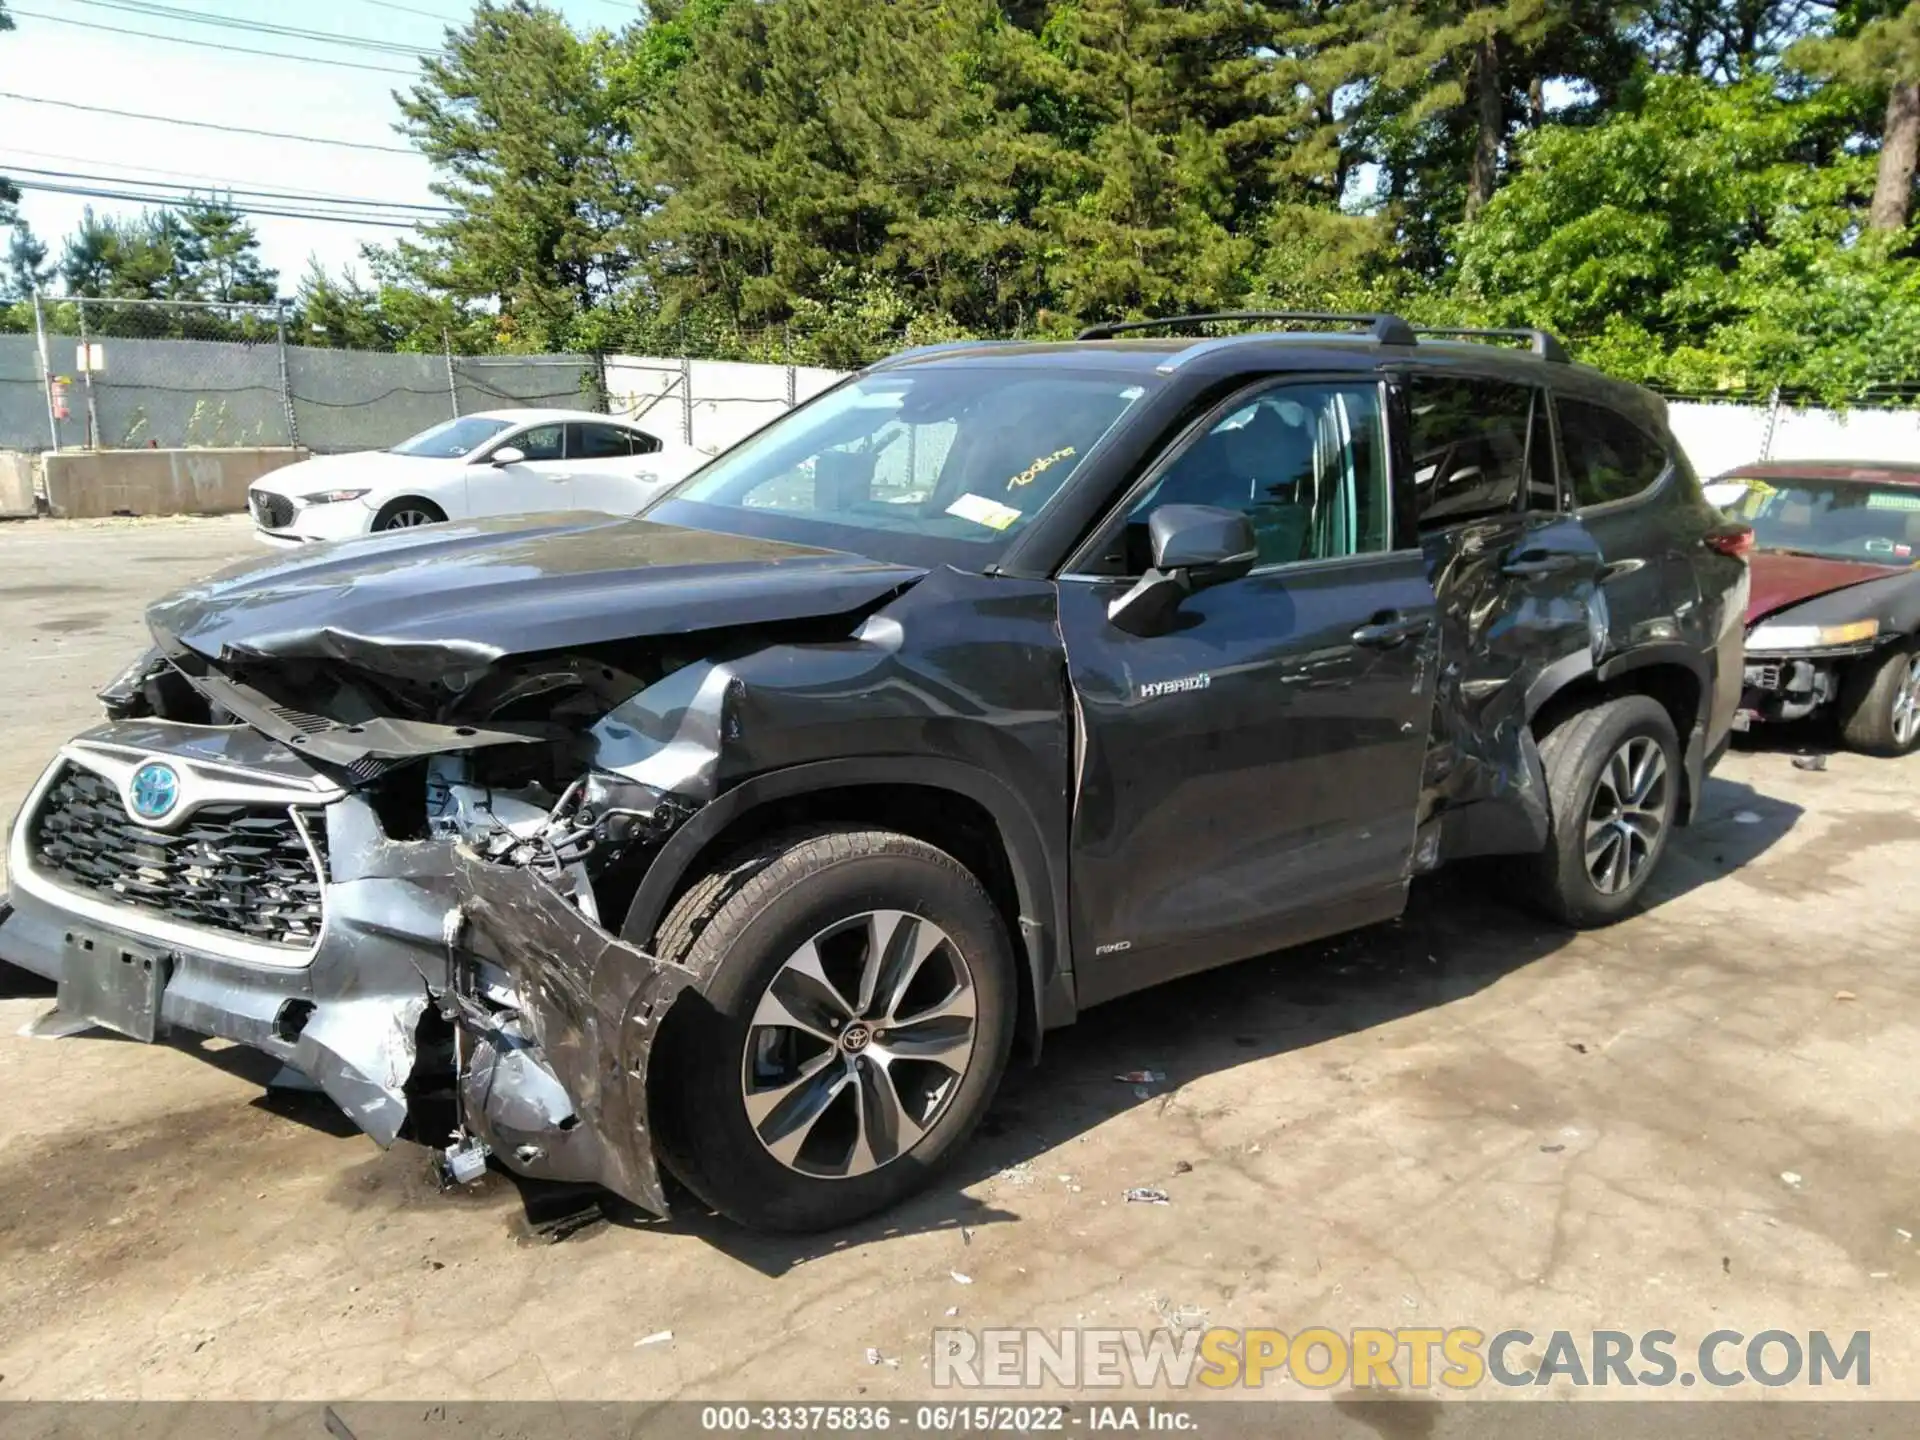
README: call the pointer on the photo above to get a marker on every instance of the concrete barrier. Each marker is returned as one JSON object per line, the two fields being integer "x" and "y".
{"x": 88, "y": 484}
{"x": 16, "y": 483}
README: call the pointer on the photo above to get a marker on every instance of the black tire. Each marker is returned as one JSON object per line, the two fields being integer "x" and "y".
{"x": 1871, "y": 720}
{"x": 1576, "y": 756}
{"x": 393, "y": 514}
{"x": 740, "y": 926}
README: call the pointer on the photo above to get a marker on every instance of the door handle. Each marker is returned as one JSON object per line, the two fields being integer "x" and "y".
{"x": 1540, "y": 562}
{"x": 1383, "y": 632}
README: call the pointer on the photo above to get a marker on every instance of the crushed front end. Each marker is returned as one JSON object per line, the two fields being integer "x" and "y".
{"x": 391, "y": 884}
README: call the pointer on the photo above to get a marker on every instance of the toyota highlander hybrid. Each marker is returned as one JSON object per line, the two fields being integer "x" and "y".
{"x": 746, "y": 840}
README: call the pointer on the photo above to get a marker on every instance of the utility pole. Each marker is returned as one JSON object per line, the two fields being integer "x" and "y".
{"x": 286, "y": 386}
{"x": 86, "y": 370}
{"x": 453, "y": 385}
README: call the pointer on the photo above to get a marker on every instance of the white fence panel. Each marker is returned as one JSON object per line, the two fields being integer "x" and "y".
{"x": 1719, "y": 437}
{"x": 710, "y": 404}
{"x": 1855, "y": 435}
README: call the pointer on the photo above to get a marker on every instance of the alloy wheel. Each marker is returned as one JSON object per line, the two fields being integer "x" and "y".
{"x": 407, "y": 519}
{"x": 859, "y": 1044}
{"x": 1627, "y": 815}
{"x": 1906, "y": 704}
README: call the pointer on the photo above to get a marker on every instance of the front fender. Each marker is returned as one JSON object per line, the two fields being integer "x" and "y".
{"x": 1040, "y": 883}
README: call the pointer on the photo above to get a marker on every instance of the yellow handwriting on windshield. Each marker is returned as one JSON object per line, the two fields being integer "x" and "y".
{"x": 1032, "y": 472}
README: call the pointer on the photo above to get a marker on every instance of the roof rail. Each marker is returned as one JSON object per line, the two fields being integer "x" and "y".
{"x": 917, "y": 351}
{"x": 1386, "y": 329}
{"x": 1542, "y": 343}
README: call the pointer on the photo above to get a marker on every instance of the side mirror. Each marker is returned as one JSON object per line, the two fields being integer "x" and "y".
{"x": 507, "y": 455}
{"x": 1194, "y": 547}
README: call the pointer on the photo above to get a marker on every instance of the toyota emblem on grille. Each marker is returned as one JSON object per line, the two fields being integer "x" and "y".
{"x": 153, "y": 791}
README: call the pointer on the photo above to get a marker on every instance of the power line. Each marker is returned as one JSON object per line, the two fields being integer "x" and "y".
{"x": 260, "y": 27}
{"x": 233, "y": 191}
{"x": 209, "y": 44}
{"x": 335, "y": 217}
{"x": 423, "y": 14}
{"x": 209, "y": 125}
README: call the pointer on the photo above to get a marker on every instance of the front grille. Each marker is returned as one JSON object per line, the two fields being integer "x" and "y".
{"x": 242, "y": 869}
{"x": 270, "y": 511}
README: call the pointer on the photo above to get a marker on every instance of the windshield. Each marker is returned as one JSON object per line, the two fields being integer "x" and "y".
{"x": 1834, "y": 519}
{"x": 934, "y": 464}
{"x": 450, "y": 439}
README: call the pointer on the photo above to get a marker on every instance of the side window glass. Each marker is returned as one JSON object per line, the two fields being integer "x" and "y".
{"x": 643, "y": 443}
{"x": 1607, "y": 456}
{"x": 542, "y": 442}
{"x": 596, "y": 442}
{"x": 1469, "y": 447}
{"x": 1306, "y": 463}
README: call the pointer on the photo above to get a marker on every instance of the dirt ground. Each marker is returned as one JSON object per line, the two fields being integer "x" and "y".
{"x": 1701, "y": 1119}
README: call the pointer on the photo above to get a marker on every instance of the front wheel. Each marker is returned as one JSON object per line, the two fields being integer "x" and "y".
{"x": 405, "y": 514}
{"x": 858, "y": 1019}
{"x": 1880, "y": 702}
{"x": 1613, "y": 790}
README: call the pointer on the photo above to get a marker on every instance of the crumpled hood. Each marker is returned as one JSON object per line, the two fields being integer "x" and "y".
{"x": 1780, "y": 580}
{"x": 420, "y": 602}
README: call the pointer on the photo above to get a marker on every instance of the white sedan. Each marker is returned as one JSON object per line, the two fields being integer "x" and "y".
{"x": 496, "y": 462}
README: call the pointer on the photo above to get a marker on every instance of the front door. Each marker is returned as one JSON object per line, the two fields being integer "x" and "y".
{"x": 1248, "y": 777}
{"x": 540, "y": 481}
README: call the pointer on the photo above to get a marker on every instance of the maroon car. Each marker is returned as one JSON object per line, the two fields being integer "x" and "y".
{"x": 1834, "y": 610}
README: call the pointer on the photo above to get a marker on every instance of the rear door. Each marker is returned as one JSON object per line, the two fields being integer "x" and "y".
{"x": 1248, "y": 778}
{"x": 540, "y": 481}
{"x": 1514, "y": 578}
{"x": 609, "y": 467}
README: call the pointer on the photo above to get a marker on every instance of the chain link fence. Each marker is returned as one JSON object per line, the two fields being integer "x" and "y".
{"x": 112, "y": 374}
{"x": 132, "y": 374}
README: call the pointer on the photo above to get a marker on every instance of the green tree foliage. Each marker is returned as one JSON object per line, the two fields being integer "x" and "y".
{"x": 1877, "y": 47}
{"x": 220, "y": 254}
{"x": 1709, "y": 239}
{"x": 521, "y": 120}
{"x": 809, "y": 139}
{"x": 1711, "y": 195}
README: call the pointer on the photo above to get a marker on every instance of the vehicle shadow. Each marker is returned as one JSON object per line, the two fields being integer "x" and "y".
{"x": 1456, "y": 938}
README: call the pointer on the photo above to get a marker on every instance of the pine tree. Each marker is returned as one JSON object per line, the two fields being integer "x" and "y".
{"x": 220, "y": 256}
{"x": 1157, "y": 158}
{"x": 807, "y": 140}
{"x": 338, "y": 314}
{"x": 1878, "y": 48}
{"x": 520, "y": 120}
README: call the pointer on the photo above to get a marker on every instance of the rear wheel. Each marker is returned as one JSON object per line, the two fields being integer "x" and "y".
{"x": 857, "y": 1021}
{"x": 406, "y": 513}
{"x": 1613, "y": 789}
{"x": 1880, "y": 702}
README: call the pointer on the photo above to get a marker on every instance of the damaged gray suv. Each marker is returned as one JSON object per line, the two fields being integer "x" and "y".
{"x": 748, "y": 839}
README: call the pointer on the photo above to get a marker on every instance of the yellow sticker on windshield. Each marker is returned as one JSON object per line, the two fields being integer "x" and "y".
{"x": 1032, "y": 472}
{"x": 982, "y": 511}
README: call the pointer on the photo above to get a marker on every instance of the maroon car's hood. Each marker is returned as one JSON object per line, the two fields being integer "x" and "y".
{"x": 1780, "y": 580}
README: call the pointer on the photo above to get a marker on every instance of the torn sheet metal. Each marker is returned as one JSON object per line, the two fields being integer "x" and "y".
{"x": 1500, "y": 629}
{"x": 558, "y": 1084}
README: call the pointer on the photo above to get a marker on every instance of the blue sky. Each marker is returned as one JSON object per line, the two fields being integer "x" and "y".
{"x": 71, "y": 58}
